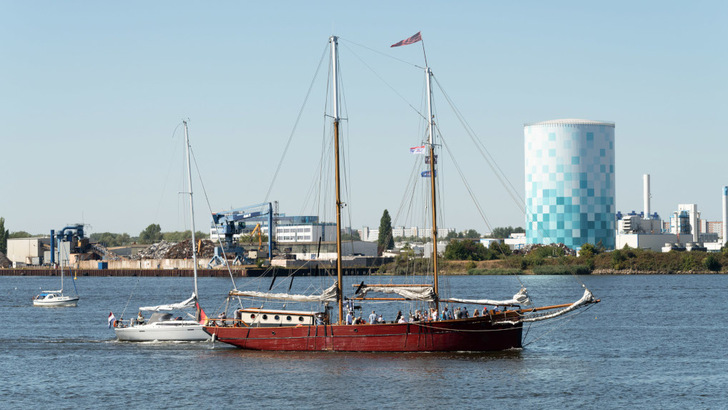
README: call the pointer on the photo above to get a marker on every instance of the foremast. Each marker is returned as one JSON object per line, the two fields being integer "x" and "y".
{"x": 192, "y": 208}
{"x": 335, "y": 89}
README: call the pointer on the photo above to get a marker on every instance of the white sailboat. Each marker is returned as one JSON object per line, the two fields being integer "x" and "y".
{"x": 56, "y": 298}
{"x": 162, "y": 325}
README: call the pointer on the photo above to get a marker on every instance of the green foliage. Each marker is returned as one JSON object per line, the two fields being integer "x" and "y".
{"x": 111, "y": 240}
{"x": 152, "y": 234}
{"x": 3, "y": 236}
{"x": 712, "y": 263}
{"x": 20, "y": 234}
{"x": 178, "y": 236}
{"x": 467, "y": 250}
{"x": 689, "y": 262}
{"x": 617, "y": 258}
{"x": 500, "y": 249}
{"x": 385, "y": 240}
{"x": 495, "y": 271}
{"x": 588, "y": 250}
{"x": 470, "y": 265}
{"x": 562, "y": 270}
{"x": 505, "y": 232}
{"x": 471, "y": 234}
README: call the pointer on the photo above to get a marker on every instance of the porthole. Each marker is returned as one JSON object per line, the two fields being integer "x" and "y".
{"x": 265, "y": 317}
{"x": 277, "y": 317}
{"x": 300, "y": 318}
{"x": 252, "y": 315}
{"x": 288, "y": 318}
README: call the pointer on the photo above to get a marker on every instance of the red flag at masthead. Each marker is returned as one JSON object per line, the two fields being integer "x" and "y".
{"x": 417, "y": 37}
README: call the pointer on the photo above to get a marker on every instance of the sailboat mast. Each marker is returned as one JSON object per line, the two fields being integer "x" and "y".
{"x": 335, "y": 88}
{"x": 431, "y": 129}
{"x": 192, "y": 208}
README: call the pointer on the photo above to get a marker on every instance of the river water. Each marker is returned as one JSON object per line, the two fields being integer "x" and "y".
{"x": 655, "y": 341}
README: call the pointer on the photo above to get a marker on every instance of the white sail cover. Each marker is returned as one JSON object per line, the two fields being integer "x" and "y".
{"x": 586, "y": 299}
{"x": 424, "y": 293}
{"x": 520, "y": 298}
{"x": 328, "y": 295}
{"x": 186, "y": 304}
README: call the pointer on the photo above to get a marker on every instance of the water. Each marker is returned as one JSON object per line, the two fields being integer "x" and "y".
{"x": 653, "y": 342}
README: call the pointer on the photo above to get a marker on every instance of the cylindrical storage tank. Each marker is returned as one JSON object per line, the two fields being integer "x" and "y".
{"x": 570, "y": 195}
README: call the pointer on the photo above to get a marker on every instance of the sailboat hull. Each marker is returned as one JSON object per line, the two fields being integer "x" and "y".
{"x": 56, "y": 301}
{"x": 473, "y": 334}
{"x": 181, "y": 331}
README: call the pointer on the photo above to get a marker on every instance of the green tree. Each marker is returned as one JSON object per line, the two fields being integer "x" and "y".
{"x": 152, "y": 234}
{"x": 110, "y": 239}
{"x": 179, "y": 236}
{"x": 467, "y": 250}
{"x": 505, "y": 232}
{"x": 385, "y": 240}
{"x": 471, "y": 234}
{"x": 712, "y": 263}
{"x": 20, "y": 234}
{"x": 3, "y": 237}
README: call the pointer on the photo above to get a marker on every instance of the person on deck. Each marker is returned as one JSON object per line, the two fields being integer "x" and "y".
{"x": 349, "y": 318}
{"x": 373, "y": 318}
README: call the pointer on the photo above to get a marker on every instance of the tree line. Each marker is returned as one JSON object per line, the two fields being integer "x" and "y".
{"x": 151, "y": 234}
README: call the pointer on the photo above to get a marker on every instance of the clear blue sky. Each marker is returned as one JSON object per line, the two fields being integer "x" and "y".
{"x": 92, "y": 92}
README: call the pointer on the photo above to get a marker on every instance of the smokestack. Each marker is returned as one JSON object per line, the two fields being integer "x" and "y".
{"x": 646, "y": 193}
{"x": 725, "y": 215}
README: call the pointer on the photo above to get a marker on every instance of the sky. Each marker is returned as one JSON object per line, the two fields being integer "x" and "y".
{"x": 93, "y": 94}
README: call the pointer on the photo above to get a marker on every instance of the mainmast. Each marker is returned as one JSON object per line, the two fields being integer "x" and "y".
{"x": 335, "y": 71}
{"x": 431, "y": 129}
{"x": 192, "y": 208}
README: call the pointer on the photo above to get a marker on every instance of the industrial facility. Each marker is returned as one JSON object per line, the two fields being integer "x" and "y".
{"x": 683, "y": 231}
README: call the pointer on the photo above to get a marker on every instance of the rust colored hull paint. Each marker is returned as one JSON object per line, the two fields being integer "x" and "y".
{"x": 473, "y": 334}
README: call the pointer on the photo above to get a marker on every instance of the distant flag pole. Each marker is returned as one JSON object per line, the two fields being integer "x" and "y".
{"x": 411, "y": 40}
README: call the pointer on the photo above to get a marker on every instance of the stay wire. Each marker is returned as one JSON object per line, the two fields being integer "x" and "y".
{"x": 295, "y": 126}
{"x": 512, "y": 192}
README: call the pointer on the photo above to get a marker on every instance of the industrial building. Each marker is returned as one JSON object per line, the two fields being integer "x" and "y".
{"x": 569, "y": 176}
{"x": 684, "y": 230}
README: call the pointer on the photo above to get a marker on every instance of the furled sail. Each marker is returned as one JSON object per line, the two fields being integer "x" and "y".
{"x": 328, "y": 295}
{"x": 585, "y": 300}
{"x": 520, "y": 298}
{"x": 424, "y": 293}
{"x": 186, "y": 304}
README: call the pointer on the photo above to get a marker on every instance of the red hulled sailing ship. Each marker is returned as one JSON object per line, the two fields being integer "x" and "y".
{"x": 499, "y": 328}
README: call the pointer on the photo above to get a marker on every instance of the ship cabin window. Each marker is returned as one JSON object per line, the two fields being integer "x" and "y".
{"x": 300, "y": 318}
{"x": 288, "y": 318}
{"x": 265, "y": 317}
{"x": 252, "y": 315}
{"x": 277, "y": 317}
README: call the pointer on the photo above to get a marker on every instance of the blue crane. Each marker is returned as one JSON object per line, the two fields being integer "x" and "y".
{"x": 232, "y": 222}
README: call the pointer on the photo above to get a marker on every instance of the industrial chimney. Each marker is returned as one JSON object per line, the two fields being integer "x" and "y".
{"x": 646, "y": 193}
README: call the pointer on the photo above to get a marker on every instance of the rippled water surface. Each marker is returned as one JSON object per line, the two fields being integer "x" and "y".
{"x": 653, "y": 342}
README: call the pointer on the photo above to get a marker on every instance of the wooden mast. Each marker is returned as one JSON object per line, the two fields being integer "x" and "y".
{"x": 431, "y": 129}
{"x": 335, "y": 89}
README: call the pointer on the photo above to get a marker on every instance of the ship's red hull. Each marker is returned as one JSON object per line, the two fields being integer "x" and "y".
{"x": 473, "y": 334}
